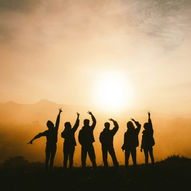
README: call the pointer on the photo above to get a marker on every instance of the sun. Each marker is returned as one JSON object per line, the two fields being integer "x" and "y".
{"x": 112, "y": 91}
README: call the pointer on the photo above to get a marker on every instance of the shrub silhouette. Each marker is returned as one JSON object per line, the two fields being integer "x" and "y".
{"x": 16, "y": 162}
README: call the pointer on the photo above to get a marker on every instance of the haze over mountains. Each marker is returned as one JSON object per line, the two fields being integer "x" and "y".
{"x": 20, "y": 122}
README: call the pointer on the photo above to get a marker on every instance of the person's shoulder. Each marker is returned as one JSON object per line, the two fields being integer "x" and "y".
{"x": 112, "y": 131}
{"x": 81, "y": 130}
{"x": 102, "y": 134}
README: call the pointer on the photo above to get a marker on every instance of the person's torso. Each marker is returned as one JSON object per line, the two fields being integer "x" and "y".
{"x": 147, "y": 138}
{"x": 107, "y": 138}
{"x": 86, "y": 135}
{"x": 52, "y": 137}
{"x": 69, "y": 138}
{"x": 131, "y": 138}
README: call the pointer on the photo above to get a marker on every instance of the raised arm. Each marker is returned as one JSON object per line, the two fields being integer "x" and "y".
{"x": 58, "y": 119}
{"x": 116, "y": 126}
{"x": 93, "y": 119}
{"x": 138, "y": 126}
{"x": 149, "y": 120}
{"x": 141, "y": 145}
{"x": 37, "y": 136}
{"x": 76, "y": 125}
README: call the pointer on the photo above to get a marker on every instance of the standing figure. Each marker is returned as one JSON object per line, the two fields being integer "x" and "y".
{"x": 106, "y": 139}
{"x": 86, "y": 139}
{"x": 69, "y": 142}
{"x": 148, "y": 140}
{"x": 51, "y": 144}
{"x": 131, "y": 141}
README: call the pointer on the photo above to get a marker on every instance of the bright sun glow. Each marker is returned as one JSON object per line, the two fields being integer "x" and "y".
{"x": 112, "y": 91}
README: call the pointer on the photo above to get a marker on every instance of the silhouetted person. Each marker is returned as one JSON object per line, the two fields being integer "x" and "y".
{"x": 86, "y": 139}
{"x": 131, "y": 141}
{"x": 51, "y": 137}
{"x": 106, "y": 139}
{"x": 148, "y": 140}
{"x": 69, "y": 142}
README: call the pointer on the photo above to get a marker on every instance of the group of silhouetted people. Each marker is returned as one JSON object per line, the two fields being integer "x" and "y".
{"x": 86, "y": 139}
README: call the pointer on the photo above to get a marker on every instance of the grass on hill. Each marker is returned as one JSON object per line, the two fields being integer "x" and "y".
{"x": 173, "y": 173}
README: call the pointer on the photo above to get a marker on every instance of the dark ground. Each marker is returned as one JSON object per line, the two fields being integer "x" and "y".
{"x": 174, "y": 173}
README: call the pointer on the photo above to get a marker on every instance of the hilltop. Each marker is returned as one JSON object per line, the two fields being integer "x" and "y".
{"x": 172, "y": 173}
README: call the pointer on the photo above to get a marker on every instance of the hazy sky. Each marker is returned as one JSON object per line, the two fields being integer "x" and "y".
{"x": 57, "y": 49}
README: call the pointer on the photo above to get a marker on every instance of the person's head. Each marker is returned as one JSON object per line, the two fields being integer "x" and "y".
{"x": 86, "y": 122}
{"x": 67, "y": 126}
{"x": 146, "y": 125}
{"x": 107, "y": 125}
{"x": 130, "y": 125}
{"x": 50, "y": 125}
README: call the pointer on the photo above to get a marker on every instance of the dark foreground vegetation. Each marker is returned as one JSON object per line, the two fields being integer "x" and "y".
{"x": 174, "y": 173}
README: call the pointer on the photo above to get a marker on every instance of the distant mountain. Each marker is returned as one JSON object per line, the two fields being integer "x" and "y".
{"x": 12, "y": 112}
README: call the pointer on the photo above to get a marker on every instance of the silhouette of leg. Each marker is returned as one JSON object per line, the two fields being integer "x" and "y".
{"x": 151, "y": 155}
{"x": 47, "y": 151}
{"x": 113, "y": 156}
{"x": 127, "y": 154}
{"x": 133, "y": 154}
{"x": 71, "y": 155}
{"x": 83, "y": 156}
{"x": 52, "y": 156}
{"x": 66, "y": 154}
{"x": 146, "y": 156}
{"x": 104, "y": 154}
{"x": 91, "y": 154}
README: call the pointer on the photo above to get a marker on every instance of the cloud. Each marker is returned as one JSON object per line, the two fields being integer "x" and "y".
{"x": 166, "y": 22}
{"x": 17, "y": 5}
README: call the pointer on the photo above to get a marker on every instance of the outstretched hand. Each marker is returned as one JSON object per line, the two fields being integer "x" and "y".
{"x": 111, "y": 119}
{"x": 136, "y": 122}
{"x": 30, "y": 142}
{"x": 60, "y": 110}
{"x": 89, "y": 112}
{"x": 78, "y": 114}
{"x": 132, "y": 119}
{"x": 149, "y": 114}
